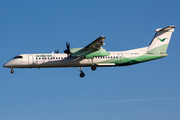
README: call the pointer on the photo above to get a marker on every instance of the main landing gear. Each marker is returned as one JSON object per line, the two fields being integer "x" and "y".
{"x": 93, "y": 68}
{"x": 12, "y": 71}
{"x": 82, "y": 74}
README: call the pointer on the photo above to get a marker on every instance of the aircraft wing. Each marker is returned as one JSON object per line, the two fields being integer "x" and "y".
{"x": 97, "y": 44}
{"x": 91, "y": 50}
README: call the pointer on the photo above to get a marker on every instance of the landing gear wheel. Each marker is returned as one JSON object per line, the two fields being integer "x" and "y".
{"x": 82, "y": 75}
{"x": 12, "y": 71}
{"x": 93, "y": 68}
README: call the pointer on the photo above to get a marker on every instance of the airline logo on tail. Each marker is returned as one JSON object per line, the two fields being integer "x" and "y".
{"x": 162, "y": 40}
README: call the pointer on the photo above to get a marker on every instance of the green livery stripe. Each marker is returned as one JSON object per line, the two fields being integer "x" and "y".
{"x": 88, "y": 53}
{"x": 129, "y": 61}
{"x": 156, "y": 53}
{"x": 160, "y": 49}
{"x": 143, "y": 58}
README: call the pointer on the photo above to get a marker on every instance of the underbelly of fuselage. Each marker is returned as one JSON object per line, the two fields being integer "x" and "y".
{"x": 60, "y": 63}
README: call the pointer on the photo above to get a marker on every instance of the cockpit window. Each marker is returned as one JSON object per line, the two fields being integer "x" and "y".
{"x": 16, "y": 57}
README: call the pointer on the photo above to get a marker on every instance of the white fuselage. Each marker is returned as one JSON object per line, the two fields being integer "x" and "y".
{"x": 93, "y": 55}
{"x": 63, "y": 60}
{"x": 53, "y": 60}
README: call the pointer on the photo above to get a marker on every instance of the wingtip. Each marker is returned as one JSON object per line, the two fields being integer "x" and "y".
{"x": 103, "y": 36}
{"x": 172, "y": 26}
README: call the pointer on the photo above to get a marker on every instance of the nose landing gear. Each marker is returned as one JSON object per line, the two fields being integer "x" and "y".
{"x": 12, "y": 71}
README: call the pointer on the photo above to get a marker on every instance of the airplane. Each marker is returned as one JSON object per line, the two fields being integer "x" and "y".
{"x": 93, "y": 55}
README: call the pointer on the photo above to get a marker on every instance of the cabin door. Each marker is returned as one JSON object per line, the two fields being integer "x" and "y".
{"x": 30, "y": 59}
{"x": 120, "y": 57}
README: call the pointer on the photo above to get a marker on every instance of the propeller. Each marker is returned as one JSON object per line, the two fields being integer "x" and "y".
{"x": 57, "y": 51}
{"x": 68, "y": 50}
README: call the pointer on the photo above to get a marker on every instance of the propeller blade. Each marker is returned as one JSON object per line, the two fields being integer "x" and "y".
{"x": 57, "y": 51}
{"x": 68, "y": 48}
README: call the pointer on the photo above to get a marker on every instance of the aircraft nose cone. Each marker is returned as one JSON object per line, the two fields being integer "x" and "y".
{"x": 7, "y": 64}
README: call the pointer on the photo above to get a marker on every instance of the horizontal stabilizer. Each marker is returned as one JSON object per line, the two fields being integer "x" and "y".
{"x": 165, "y": 29}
